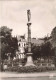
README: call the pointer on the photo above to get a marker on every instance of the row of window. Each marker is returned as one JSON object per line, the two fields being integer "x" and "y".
{"x": 21, "y": 44}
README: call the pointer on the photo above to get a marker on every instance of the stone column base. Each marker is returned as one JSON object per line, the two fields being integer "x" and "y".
{"x": 29, "y": 60}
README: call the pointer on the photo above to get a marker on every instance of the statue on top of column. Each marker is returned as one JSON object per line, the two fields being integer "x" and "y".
{"x": 28, "y": 15}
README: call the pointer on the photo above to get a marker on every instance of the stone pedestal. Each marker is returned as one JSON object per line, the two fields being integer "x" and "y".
{"x": 29, "y": 60}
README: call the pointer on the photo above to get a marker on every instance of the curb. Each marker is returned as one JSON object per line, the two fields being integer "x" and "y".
{"x": 26, "y": 75}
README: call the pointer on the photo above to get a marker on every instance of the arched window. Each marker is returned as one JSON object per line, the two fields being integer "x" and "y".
{"x": 24, "y": 44}
{"x": 19, "y": 44}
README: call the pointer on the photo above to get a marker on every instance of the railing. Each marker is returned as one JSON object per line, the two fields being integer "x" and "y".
{"x": 11, "y": 64}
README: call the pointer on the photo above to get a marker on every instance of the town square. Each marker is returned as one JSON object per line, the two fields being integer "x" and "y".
{"x": 28, "y": 40}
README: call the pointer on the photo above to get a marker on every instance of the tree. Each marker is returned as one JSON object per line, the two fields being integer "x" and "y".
{"x": 13, "y": 46}
{"x": 8, "y": 43}
{"x": 53, "y": 34}
{"x": 36, "y": 51}
{"x": 46, "y": 50}
{"x": 43, "y": 51}
{"x": 5, "y": 34}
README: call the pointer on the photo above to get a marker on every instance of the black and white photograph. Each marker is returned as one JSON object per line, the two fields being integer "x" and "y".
{"x": 27, "y": 39}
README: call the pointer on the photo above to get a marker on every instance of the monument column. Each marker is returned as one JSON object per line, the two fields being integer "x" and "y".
{"x": 29, "y": 54}
{"x": 29, "y": 37}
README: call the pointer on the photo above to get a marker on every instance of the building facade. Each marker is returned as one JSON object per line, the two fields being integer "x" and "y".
{"x": 21, "y": 47}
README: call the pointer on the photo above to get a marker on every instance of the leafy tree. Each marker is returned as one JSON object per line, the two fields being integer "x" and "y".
{"x": 43, "y": 51}
{"x": 5, "y": 34}
{"x": 46, "y": 49}
{"x": 4, "y": 50}
{"x": 36, "y": 51}
{"x": 53, "y": 34}
{"x": 8, "y": 43}
{"x": 13, "y": 46}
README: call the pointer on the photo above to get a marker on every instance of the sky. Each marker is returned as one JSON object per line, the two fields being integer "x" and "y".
{"x": 13, "y": 14}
